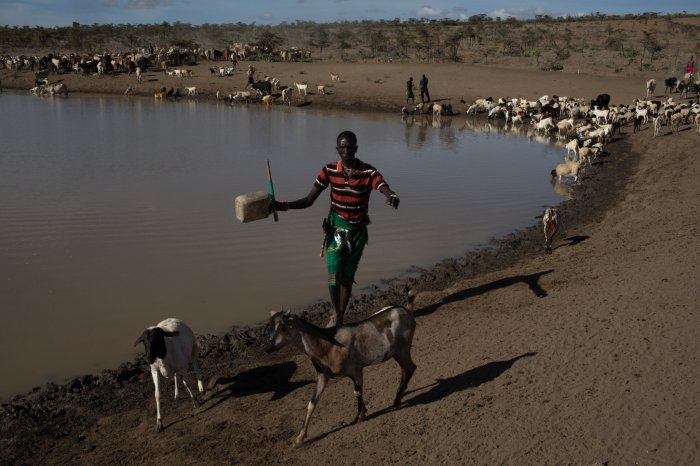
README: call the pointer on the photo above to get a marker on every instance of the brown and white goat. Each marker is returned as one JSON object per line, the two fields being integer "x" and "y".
{"x": 550, "y": 221}
{"x": 344, "y": 351}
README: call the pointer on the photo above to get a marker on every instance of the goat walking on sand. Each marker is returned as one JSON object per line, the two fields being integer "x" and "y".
{"x": 344, "y": 351}
{"x": 170, "y": 348}
{"x": 550, "y": 221}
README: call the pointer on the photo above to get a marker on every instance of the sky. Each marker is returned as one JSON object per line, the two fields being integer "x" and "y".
{"x": 51, "y": 13}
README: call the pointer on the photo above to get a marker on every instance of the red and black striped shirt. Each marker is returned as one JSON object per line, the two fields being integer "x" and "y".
{"x": 350, "y": 191}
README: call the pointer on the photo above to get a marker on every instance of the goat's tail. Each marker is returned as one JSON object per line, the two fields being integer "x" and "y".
{"x": 410, "y": 297}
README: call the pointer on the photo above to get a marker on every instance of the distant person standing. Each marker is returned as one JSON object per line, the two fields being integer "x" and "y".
{"x": 423, "y": 85}
{"x": 691, "y": 65}
{"x": 409, "y": 91}
{"x": 250, "y": 73}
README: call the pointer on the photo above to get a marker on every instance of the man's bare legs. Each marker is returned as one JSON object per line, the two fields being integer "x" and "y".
{"x": 340, "y": 297}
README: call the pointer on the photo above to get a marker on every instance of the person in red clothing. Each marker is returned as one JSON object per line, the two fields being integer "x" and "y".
{"x": 351, "y": 181}
{"x": 691, "y": 65}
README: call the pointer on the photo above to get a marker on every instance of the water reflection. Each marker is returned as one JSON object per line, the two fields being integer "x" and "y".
{"x": 562, "y": 189}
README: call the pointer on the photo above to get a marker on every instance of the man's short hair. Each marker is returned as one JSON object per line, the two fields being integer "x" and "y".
{"x": 349, "y": 135}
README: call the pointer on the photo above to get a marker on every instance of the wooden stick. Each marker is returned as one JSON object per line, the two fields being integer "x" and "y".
{"x": 272, "y": 189}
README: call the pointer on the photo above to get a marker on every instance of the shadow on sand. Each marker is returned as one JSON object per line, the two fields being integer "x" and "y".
{"x": 531, "y": 280}
{"x": 441, "y": 388}
{"x": 274, "y": 379}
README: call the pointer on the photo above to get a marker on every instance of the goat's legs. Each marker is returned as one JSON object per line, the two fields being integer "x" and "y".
{"x": 187, "y": 387}
{"x": 361, "y": 409}
{"x": 177, "y": 393}
{"x": 320, "y": 386}
{"x": 198, "y": 373}
{"x": 156, "y": 383}
{"x": 407, "y": 370}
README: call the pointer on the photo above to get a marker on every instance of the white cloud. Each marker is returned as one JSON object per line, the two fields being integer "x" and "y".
{"x": 428, "y": 11}
{"x": 521, "y": 13}
{"x": 431, "y": 12}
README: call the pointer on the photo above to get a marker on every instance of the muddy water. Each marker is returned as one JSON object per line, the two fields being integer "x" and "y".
{"x": 116, "y": 213}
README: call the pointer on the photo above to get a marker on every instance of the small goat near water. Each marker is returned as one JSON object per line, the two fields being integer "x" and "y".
{"x": 344, "y": 351}
{"x": 550, "y": 221}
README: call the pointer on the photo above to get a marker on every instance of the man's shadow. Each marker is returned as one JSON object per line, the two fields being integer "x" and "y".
{"x": 274, "y": 379}
{"x": 531, "y": 281}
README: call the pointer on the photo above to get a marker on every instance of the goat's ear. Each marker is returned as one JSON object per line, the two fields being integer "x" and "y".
{"x": 174, "y": 333}
{"x": 140, "y": 339}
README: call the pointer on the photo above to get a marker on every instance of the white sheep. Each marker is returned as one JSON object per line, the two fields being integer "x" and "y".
{"x": 586, "y": 153}
{"x": 170, "y": 346}
{"x": 545, "y": 124}
{"x": 567, "y": 169}
{"x": 572, "y": 146}
{"x": 658, "y": 123}
{"x": 651, "y": 85}
{"x": 287, "y": 96}
{"x": 301, "y": 88}
{"x": 565, "y": 125}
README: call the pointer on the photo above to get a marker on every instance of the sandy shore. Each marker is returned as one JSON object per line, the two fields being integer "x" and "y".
{"x": 585, "y": 356}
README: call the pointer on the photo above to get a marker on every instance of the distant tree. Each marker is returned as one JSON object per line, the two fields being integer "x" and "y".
{"x": 424, "y": 40}
{"x": 403, "y": 41}
{"x": 343, "y": 40}
{"x": 453, "y": 41}
{"x": 652, "y": 45}
{"x": 319, "y": 39}
{"x": 75, "y": 37}
{"x": 377, "y": 42}
{"x": 268, "y": 41}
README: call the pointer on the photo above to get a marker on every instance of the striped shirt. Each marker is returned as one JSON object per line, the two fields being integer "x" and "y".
{"x": 350, "y": 192}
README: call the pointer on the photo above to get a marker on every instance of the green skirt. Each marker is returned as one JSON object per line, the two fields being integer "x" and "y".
{"x": 347, "y": 258}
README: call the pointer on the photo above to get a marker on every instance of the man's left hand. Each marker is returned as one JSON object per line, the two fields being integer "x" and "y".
{"x": 393, "y": 201}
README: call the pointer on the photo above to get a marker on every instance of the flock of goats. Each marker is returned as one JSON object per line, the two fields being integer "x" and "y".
{"x": 586, "y": 126}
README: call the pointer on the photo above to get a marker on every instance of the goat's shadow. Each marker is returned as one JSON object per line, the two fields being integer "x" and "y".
{"x": 575, "y": 240}
{"x": 472, "y": 378}
{"x": 441, "y": 388}
{"x": 531, "y": 280}
{"x": 274, "y": 379}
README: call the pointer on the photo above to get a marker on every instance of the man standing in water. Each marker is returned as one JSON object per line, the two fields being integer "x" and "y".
{"x": 351, "y": 182}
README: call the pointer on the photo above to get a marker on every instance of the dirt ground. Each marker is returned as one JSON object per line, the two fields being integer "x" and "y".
{"x": 585, "y": 356}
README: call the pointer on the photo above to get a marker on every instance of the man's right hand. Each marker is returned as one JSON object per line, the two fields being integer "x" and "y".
{"x": 279, "y": 206}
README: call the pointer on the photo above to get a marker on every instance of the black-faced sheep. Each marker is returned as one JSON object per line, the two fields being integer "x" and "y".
{"x": 170, "y": 347}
